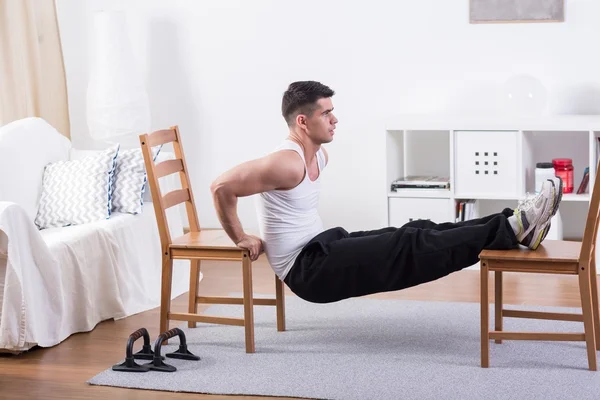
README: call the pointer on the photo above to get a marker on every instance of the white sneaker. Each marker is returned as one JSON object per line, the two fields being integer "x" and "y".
{"x": 540, "y": 229}
{"x": 535, "y": 211}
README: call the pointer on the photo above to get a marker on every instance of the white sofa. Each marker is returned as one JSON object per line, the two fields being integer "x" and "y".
{"x": 58, "y": 281}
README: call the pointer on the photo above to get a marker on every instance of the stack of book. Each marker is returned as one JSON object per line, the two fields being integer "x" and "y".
{"x": 465, "y": 210}
{"x": 421, "y": 182}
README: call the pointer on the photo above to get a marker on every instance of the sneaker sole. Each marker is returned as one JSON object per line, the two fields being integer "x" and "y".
{"x": 556, "y": 198}
{"x": 555, "y": 201}
{"x": 541, "y": 236}
{"x": 560, "y": 193}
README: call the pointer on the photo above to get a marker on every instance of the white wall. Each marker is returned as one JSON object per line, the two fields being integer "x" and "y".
{"x": 218, "y": 69}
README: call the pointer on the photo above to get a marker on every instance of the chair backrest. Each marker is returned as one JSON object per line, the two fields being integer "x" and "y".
{"x": 590, "y": 234}
{"x": 156, "y": 171}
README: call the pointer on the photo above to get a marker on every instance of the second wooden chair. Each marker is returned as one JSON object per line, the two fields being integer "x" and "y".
{"x": 551, "y": 257}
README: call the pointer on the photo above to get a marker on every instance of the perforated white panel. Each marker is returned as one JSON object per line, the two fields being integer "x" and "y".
{"x": 486, "y": 163}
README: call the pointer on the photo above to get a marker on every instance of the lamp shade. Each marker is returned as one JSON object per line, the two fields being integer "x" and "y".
{"x": 118, "y": 108}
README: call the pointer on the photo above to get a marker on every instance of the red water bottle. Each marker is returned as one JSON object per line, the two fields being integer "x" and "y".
{"x": 563, "y": 168}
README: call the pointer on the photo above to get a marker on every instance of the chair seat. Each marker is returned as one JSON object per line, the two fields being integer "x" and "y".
{"x": 205, "y": 239}
{"x": 549, "y": 250}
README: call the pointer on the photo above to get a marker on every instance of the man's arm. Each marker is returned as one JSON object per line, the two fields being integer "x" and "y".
{"x": 280, "y": 170}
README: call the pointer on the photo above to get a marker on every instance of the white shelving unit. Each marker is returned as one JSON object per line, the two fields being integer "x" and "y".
{"x": 490, "y": 160}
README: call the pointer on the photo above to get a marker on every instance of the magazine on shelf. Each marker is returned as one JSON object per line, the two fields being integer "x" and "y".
{"x": 421, "y": 182}
{"x": 584, "y": 181}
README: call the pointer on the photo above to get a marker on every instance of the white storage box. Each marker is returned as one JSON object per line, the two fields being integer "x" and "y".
{"x": 487, "y": 164}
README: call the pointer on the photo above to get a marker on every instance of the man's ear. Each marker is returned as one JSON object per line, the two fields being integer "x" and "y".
{"x": 301, "y": 120}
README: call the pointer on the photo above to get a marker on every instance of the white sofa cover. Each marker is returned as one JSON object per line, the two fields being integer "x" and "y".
{"x": 59, "y": 281}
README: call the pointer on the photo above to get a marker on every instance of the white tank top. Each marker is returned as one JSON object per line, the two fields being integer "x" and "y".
{"x": 288, "y": 219}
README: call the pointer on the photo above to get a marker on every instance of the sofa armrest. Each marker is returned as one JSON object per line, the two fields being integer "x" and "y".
{"x": 32, "y": 282}
{"x": 15, "y": 216}
{"x": 4, "y": 205}
{"x": 8, "y": 207}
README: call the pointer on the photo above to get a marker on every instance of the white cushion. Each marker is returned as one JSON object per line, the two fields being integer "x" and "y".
{"x": 26, "y": 147}
{"x": 77, "y": 191}
{"x": 130, "y": 181}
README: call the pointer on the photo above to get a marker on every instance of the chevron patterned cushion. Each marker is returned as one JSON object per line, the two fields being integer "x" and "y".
{"x": 77, "y": 191}
{"x": 130, "y": 181}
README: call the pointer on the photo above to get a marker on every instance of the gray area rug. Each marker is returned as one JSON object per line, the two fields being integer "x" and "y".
{"x": 372, "y": 349}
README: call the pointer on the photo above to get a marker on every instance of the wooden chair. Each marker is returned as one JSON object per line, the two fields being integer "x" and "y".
{"x": 551, "y": 257}
{"x": 198, "y": 245}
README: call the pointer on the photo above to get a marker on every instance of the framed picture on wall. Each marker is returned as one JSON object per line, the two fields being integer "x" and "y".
{"x": 503, "y": 11}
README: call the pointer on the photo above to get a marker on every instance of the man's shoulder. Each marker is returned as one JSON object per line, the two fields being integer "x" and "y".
{"x": 285, "y": 164}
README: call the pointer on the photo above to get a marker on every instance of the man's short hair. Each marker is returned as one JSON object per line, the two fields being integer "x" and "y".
{"x": 301, "y": 98}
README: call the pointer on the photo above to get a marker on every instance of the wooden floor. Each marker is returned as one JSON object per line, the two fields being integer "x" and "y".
{"x": 61, "y": 372}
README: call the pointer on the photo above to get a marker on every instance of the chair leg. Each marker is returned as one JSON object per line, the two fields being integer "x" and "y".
{"x": 588, "y": 319}
{"x": 248, "y": 303}
{"x": 165, "y": 293}
{"x": 280, "y": 304}
{"x": 498, "y": 302}
{"x": 193, "y": 293}
{"x": 595, "y": 310}
{"x": 485, "y": 304}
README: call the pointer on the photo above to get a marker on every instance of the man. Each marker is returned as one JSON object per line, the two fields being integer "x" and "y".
{"x": 326, "y": 265}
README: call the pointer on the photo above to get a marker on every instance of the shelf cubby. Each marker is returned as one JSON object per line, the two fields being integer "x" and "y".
{"x": 456, "y": 147}
{"x": 547, "y": 145}
{"x": 570, "y": 221}
{"x": 417, "y": 152}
